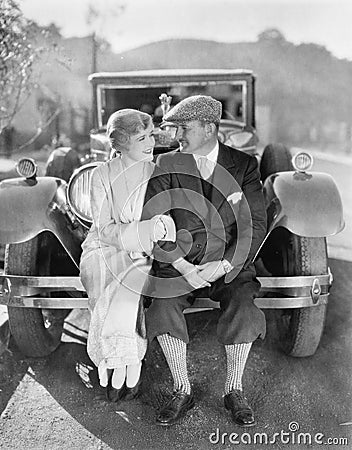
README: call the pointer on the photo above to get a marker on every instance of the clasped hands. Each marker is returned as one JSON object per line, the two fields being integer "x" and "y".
{"x": 199, "y": 276}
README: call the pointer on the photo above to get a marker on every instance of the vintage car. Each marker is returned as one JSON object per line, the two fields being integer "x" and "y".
{"x": 43, "y": 220}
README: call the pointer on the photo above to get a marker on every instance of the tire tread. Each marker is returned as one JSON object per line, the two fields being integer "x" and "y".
{"x": 308, "y": 323}
{"x": 27, "y": 324}
{"x": 275, "y": 158}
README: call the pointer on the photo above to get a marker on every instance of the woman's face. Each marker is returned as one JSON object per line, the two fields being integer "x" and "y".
{"x": 140, "y": 146}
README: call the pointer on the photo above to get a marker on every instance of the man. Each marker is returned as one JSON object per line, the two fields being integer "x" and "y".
{"x": 214, "y": 195}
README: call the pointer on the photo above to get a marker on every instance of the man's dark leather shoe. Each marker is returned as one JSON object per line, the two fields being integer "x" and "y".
{"x": 175, "y": 408}
{"x": 241, "y": 412}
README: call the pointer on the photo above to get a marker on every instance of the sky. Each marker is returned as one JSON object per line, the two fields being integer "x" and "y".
{"x": 324, "y": 22}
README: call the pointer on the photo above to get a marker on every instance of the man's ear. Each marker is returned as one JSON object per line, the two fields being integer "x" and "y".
{"x": 210, "y": 129}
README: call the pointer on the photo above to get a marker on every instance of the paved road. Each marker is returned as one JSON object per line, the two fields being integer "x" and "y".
{"x": 340, "y": 167}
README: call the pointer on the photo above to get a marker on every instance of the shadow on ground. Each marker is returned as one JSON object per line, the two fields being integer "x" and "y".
{"x": 315, "y": 392}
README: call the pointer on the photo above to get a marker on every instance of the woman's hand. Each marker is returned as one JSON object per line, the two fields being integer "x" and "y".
{"x": 158, "y": 229}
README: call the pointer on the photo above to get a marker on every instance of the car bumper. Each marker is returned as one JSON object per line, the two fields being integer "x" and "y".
{"x": 275, "y": 293}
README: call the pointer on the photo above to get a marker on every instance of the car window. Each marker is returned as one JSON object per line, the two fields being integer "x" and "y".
{"x": 111, "y": 98}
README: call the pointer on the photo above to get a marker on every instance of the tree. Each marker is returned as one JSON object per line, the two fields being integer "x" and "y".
{"x": 271, "y": 34}
{"x": 17, "y": 56}
{"x": 98, "y": 20}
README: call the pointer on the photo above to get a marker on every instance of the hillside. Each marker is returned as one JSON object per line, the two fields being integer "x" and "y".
{"x": 303, "y": 88}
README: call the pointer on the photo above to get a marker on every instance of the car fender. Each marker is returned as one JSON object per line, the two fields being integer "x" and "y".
{"x": 31, "y": 206}
{"x": 307, "y": 204}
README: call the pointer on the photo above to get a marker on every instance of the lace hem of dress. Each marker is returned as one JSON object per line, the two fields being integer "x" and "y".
{"x": 123, "y": 349}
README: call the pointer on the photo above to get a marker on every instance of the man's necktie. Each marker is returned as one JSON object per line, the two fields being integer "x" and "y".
{"x": 205, "y": 167}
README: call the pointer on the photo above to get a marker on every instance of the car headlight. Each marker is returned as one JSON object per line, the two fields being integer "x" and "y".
{"x": 302, "y": 161}
{"x": 26, "y": 167}
{"x": 78, "y": 192}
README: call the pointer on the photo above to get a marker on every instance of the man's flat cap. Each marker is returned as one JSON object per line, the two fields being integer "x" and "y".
{"x": 196, "y": 107}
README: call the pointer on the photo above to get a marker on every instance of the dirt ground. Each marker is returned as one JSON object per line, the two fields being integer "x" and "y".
{"x": 56, "y": 403}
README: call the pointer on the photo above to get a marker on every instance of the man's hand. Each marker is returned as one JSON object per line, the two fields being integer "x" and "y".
{"x": 190, "y": 272}
{"x": 195, "y": 280}
{"x": 211, "y": 271}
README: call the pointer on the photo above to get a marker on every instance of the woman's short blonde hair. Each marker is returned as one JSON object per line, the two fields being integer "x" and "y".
{"x": 123, "y": 124}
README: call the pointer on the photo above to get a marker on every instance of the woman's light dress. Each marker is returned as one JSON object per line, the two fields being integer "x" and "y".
{"x": 114, "y": 265}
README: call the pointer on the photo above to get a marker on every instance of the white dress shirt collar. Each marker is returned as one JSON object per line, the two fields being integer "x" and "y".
{"x": 211, "y": 156}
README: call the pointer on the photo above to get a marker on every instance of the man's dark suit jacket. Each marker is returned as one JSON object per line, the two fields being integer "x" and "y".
{"x": 230, "y": 222}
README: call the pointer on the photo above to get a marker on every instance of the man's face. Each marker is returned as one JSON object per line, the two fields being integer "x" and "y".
{"x": 191, "y": 136}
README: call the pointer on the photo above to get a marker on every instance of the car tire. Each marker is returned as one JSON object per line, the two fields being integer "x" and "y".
{"x": 300, "y": 329}
{"x": 275, "y": 158}
{"x": 35, "y": 333}
{"x": 62, "y": 162}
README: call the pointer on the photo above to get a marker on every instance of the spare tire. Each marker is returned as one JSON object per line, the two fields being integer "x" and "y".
{"x": 275, "y": 158}
{"x": 62, "y": 162}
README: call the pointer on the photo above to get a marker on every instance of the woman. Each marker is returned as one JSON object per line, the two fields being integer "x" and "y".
{"x": 115, "y": 260}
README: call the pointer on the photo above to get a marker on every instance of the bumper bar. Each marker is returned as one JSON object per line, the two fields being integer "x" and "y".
{"x": 276, "y": 292}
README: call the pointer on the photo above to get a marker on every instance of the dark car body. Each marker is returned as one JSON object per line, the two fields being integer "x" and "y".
{"x": 296, "y": 201}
